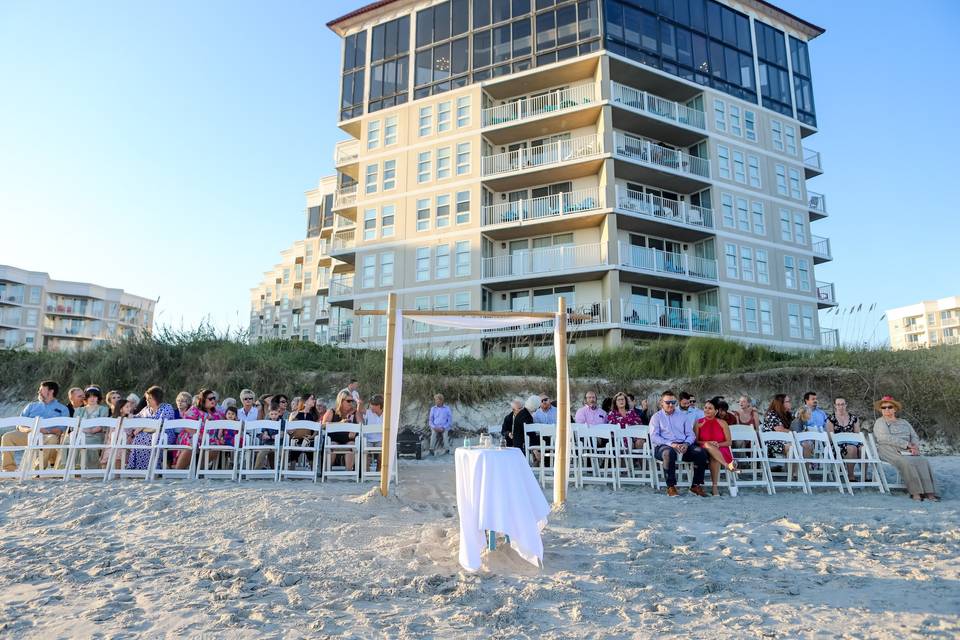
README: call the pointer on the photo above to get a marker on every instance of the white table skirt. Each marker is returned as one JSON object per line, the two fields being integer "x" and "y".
{"x": 496, "y": 491}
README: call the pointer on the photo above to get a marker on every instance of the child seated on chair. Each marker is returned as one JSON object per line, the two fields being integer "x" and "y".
{"x": 269, "y": 437}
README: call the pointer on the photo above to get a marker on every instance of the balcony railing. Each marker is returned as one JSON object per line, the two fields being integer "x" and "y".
{"x": 647, "y": 152}
{"x": 346, "y": 152}
{"x": 666, "y": 262}
{"x": 341, "y": 286}
{"x": 821, "y": 247}
{"x": 547, "y": 260}
{"x": 811, "y": 159}
{"x": 343, "y": 241}
{"x": 825, "y": 293}
{"x": 559, "y": 100}
{"x": 830, "y": 338}
{"x": 669, "y": 210}
{"x": 345, "y": 197}
{"x": 543, "y": 207}
{"x": 581, "y": 318}
{"x": 544, "y": 155}
{"x": 655, "y": 316}
{"x": 817, "y": 202}
{"x": 657, "y": 106}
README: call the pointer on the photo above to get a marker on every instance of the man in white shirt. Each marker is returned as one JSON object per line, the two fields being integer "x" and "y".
{"x": 247, "y": 412}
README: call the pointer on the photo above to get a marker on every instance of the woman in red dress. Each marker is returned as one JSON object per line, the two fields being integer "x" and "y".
{"x": 713, "y": 435}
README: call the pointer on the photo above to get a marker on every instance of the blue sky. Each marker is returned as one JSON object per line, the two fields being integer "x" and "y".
{"x": 165, "y": 147}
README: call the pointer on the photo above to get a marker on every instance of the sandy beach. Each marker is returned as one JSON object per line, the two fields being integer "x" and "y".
{"x": 213, "y": 559}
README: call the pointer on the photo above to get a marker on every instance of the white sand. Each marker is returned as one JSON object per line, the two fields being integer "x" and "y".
{"x": 298, "y": 560}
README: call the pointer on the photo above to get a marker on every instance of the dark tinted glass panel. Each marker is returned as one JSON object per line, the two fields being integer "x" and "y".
{"x": 682, "y": 12}
{"x": 460, "y": 14}
{"x": 729, "y": 26}
{"x": 546, "y": 31}
{"x": 631, "y": 26}
{"x": 441, "y": 62}
{"x": 501, "y": 44}
{"x": 614, "y": 14}
{"x": 566, "y": 25}
{"x": 501, "y": 10}
{"x": 376, "y": 81}
{"x": 390, "y": 40}
{"x": 403, "y": 34}
{"x": 441, "y": 22}
{"x": 349, "y": 51}
{"x": 481, "y": 13}
{"x": 716, "y": 59}
{"x": 459, "y": 56}
{"x": 648, "y": 32}
{"x": 521, "y": 38}
{"x": 520, "y": 7}
{"x": 424, "y": 27}
{"x": 698, "y": 14}
{"x": 566, "y": 53}
{"x": 743, "y": 33}
{"x": 668, "y": 45}
{"x": 481, "y": 49}
{"x": 714, "y": 22}
{"x": 543, "y": 4}
{"x": 346, "y": 93}
{"x": 589, "y": 19}
{"x": 424, "y": 68}
{"x": 665, "y": 7}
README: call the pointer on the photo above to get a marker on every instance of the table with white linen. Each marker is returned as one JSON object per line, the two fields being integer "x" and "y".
{"x": 496, "y": 491}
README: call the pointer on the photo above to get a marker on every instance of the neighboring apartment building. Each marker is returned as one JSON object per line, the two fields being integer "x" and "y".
{"x": 39, "y": 313}
{"x": 925, "y": 324}
{"x": 643, "y": 159}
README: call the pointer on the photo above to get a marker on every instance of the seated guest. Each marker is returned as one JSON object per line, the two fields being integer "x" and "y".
{"x": 46, "y": 406}
{"x": 440, "y": 421}
{"x": 607, "y": 404}
{"x": 111, "y": 399}
{"x": 230, "y": 413}
{"x": 747, "y": 413}
{"x": 723, "y": 411}
{"x": 305, "y": 409}
{"x": 155, "y": 409}
{"x": 590, "y": 413}
{"x": 802, "y": 422}
{"x": 344, "y": 411}
{"x": 182, "y": 404}
{"x": 899, "y": 445}
{"x": 122, "y": 408}
{"x": 818, "y": 418}
{"x": 778, "y": 418}
{"x": 268, "y": 437}
{"x": 671, "y": 433}
{"x": 248, "y": 411}
{"x": 842, "y": 421}
{"x": 204, "y": 411}
{"x": 640, "y": 408}
{"x": 94, "y": 435}
{"x": 713, "y": 435}
{"x": 513, "y": 422}
{"x": 688, "y": 405}
{"x": 284, "y": 402}
{"x": 546, "y": 413}
{"x": 374, "y": 416}
{"x": 620, "y": 413}
{"x": 75, "y": 398}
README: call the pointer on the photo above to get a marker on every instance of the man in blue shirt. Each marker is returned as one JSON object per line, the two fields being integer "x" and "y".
{"x": 671, "y": 433}
{"x": 818, "y": 417}
{"x": 688, "y": 405}
{"x": 46, "y": 406}
{"x": 546, "y": 413}
{"x": 440, "y": 420}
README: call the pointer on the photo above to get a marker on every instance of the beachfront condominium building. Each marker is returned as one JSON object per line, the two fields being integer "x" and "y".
{"x": 643, "y": 159}
{"x": 40, "y": 313}
{"x": 925, "y": 324}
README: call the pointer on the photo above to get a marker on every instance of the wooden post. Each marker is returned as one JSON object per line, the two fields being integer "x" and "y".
{"x": 563, "y": 410}
{"x": 385, "y": 458}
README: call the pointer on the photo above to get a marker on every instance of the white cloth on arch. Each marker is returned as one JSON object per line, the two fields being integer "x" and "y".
{"x": 496, "y": 491}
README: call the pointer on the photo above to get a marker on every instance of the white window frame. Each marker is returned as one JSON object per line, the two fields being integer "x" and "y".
{"x": 442, "y": 211}
{"x": 463, "y": 112}
{"x": 423, "y": 167}
{"x": 370, "y": 180}
{"x": 790, "y": 135}
{"x": 789, "y": 272}
{"x": 803, "y": 273}
{"x": 799, "y": 228}
{"x": 735, "y": 127}
{"x": 753, "y": 171}
{"x": 739, "y": 167}
{"x": 462, "y": 207}
{"x": 423, "y": 221}
{"x": 786, "y": 225}
{"x": 373, "y": 134}
{"x": 731, "y": 261}
{"x": 444, "y": 116}
{"x": 387, "y": 262}
{"x": 781, "y": 172}
{"x": 388, "y": 218}
{"x": 776, "y": 134}
{"x": 763, "y": 266}
{"x": 389, "y": 175}
{"x": 723, "y": 161}
{"x": 461, "y": 301}
{"x": 746, "y": 263}
{"x": 806, "y": 321}
{"x": 368, "y": 271}
{"x": 766, "y": 317}
{"x": 750, "y": 315}
{"x": 735, "y": 307}
{"x": 463, "y": 158}
{"x": 441, "y": 268}
{"x": 370, "y": 224}
{"x": 462, "y": 258}
{"x": 719, "y": 115}
{"x": 750, "y": 124}
{"x": 758, "y": 216}
{"x": 443, "y": 163}
{"x": 793, "y": 319}
{"x": 390, "y": 131}
{"x": 425, "y": 121}
{"x": 795, "y": 191}
{"x": 423, "y": 264}
{"x": 727, "y": 211}
{"x": 743, "y": 214}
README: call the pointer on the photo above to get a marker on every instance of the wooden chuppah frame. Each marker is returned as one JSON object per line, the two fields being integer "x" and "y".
{"x": 563, "y": 392}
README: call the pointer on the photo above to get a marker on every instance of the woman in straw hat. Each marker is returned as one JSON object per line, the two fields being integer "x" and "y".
{"x": 899, "y": 445}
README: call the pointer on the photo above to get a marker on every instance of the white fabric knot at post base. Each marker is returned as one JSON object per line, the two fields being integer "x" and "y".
{"x": 496, "y": 491}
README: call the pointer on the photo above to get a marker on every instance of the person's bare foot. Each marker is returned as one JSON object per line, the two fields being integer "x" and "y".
{"x": 716, "y": 491}
{"x": 932, "y": 496}
{"x": 918, "y": 498}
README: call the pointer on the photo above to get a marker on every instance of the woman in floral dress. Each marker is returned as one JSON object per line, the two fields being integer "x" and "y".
{"x": 156, "y": 409}
{"x": 204, "y": 410}
{"x": 778, "y": 418}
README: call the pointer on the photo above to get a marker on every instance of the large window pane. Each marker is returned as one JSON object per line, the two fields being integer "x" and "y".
{"x": 389, "y": 40}
{"x": 648, "y": 32}
{"x": 501, "y": 44}
{"x": 481, "y": 13}
{"x": 566, "y": 25}
{"x": 501, "y": 10}
{"x": 481, "y": 49}
{"x": 631, "y": 26}
{"x": 424, "y": 27}
{"x": 588, "y": 17}
{"x": 684, "y": 47}
{"x": 441, "y": 22}
{"x": 521, "y": 38}
{"x": 614, "y": 13}
{"x": 546, "y": 31}
{"x": 441, "y": 62}
{"x": 460, "y": 13}
{"x": 376, "y": 81}
{"x": 520, "y": 7}
{"x": 459, "y": 54}
{"x": 424, "y": 68}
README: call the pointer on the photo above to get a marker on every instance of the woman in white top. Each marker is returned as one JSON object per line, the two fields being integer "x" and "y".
{"x": 899, "y": 445}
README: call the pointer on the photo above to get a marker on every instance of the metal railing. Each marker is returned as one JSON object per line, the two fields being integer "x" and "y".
{"x": 345, "y": 197}
{"x": 670, "y": 210}
{"x": 544, "y": 155}
{"x": 656, "y": 316}
{"x": 546, "y": 260}
{"x": 647, "y": 152}
{"x": 811, "y": 159}
{"x": 341, "y": 286}
{"x": 657, "y": 106}
{"x": 821, "y": 247}
{"x": 343, "y": 241}
{"x": 830, "y": 338}
{"x": 816, "y": 202}
{"x": 826, "y": 293}
{"x": 550, "y": 206}
{"x": 552, "y": 101}
{"x": 675, "y": 264}
{"x": 346, "y": 152}
{"x": 583, "y": 316}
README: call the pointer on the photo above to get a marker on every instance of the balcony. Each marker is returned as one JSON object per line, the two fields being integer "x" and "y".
{"x": 649, "y": 213}
{"x": 341, "y": 290}
{"x": 656, "y": 116}
{"x": 826, "y": 296}
{"x": 821, "y": 249}
{"x": 816, "y": 205}
{"x": 345, "y": 197}
{"x": 671, "y": 320}
{"x": 654, "y": 164}
{"x": 546, "y": 212}
{"x": 811, "y": 164}
{"x": 653, "y": 266}
{"x": 566, "y": 263}
{"x": 592, "y": 316}
{"x": 344, "y": 246}
{"x": 829, "y": 338}
{"x": 553, "y": 162}
{"x": 346, "y": 152}
{"x": 551, "y": 112}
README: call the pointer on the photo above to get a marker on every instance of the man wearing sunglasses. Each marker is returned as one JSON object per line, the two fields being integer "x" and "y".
{"x": 688, "y": 405}
{"x": 671, "y": 433}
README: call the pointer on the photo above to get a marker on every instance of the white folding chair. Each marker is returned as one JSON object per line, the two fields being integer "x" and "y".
{"x": 542, "y": 463}
{"x": 289, "y": 468}
{"x": 25, "y": 426}
{"x": 124, "y": 446}
{"x": 867, "y": 469}
{"x": 792, "y": 462}
{"x": 38, "y": 450}
{"x": 253, "y": 448}
{"x": 635, "y": 463}
{"x": 368, "y": 450}
{"x": 897, "y": 483}
{"x": 77, "y": 462}
{"x": 684, "y": 470}
{"x": 750, "y": 458}
{"x": 210, "y": 451}
{"x": 332, "y": 450}
{"x": 595, "y": 449}
{"x": 822, "y": 468}
{"x": 160, "y": 466}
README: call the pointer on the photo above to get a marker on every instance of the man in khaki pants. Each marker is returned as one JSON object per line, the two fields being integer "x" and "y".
{"x": 46, "y": 406}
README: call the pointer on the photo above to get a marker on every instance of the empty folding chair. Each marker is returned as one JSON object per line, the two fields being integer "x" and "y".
{"x": 897, "y": 482}
{"x": 165, "y": 466}
{"x": 750, "y": 458}
{"x": 85, "y": 455}
{"x": 540, "y": 454}
{"x": 47, "y": 453}
{"x": 260, "y": 449}
{"x": 229, "y": 454}
{"x": 598, "y": 461}
{"x": 133, "y": 446}
{"x": 793, "y": 473}
{"x": 371, "y": 444}
{"x": 635, "y": 463}
{"x": 12, "y": 454}
{"x": 822, "y": 468}
{"x": 292, "y": 449}
{"x": 867, "y": 469}
{"x": 334, "y": 450}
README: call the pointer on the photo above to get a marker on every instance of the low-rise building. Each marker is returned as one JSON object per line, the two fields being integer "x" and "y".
{"x": 925, "y": 324}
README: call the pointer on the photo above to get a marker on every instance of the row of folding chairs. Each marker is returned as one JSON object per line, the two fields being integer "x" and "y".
{"x": 252, "y": 455}
{"x": 608, "y": 455}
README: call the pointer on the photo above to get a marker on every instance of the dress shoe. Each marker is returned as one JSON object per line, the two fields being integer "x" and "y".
{"x": 697, "y": 489}
{"x": 672, "y": 492}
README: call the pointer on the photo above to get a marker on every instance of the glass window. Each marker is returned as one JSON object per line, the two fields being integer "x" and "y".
{"x": 766, "y": 317}
{"x": 803, "y": 87}
{"x": 423, "y": 167}
{"x": 776, "y": 134}
{"x": 443, "y": 117}
{"x": 743, "y": 215}
{"x": 463, "y": 158}
{"x": 443, "y": 261}
{"x": 423, "y": 264}
{"x": 463, "y": 258}
{"x": 781, "y": 172}
{"x": 443, "y": 163}
{"x": 746, "y": 263}
{"x": 726, "y": 207}
{"x": 723, "y": 161}
{"x": 791, "y": 136}
{"x": 423, "y": 214}
{"x": 389, "y": 63}
{"x": 389, "y": 174}
{"x": 461, "y": 301}
{"x": 373, "y": 134}
{"x": 795, "y": 184}
{"x": 772, "y": 55}
{"x": 719, "y": 115}
{"x": 735, "y": 127}
{"x": 739, "y": 171}
{"x": 369, "y": 273}
{"x": 736, "y": 311}
{"x": 443, "y": 211}
{"x": 387, "y": 218}
{"x": 750, "y": 314}
{"x": 371, "y": 180}
{"x": 390, "y": 131}
{"x": 759, "y": 224}
{"x": 730, "y": 254}
{"x": 799, "y": 228}
{"x": 763, "y": 268}
{"x": 789, "y": 272}
{"x": 463, "y": 207}
{"x": 803, "y": 270}
{"x": 753, "y": 165}
{"x": 425, "y": 121}
{"x": 750, "y": 125}
{"x": 786, "y": 229}
{"x": 793, "y": 319}
{"x": 463, "y": 111}
{"x": 369, "y": 224}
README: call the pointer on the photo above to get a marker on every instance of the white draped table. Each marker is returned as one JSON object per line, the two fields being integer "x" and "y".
{"x": 496, "y": 491}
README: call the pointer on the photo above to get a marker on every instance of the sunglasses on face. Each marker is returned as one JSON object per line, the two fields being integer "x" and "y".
{"x": 544, "y": 400}
{"x": 887, "y": 407}
{"x": 669, "y": 402}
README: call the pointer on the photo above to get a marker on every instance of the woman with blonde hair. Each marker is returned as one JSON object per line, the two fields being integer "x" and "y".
{"x": 343, "y": 410}
{"x": 898, "y": 444}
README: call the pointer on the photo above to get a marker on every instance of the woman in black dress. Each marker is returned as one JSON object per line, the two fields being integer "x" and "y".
{"x": 512, "y": 427}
